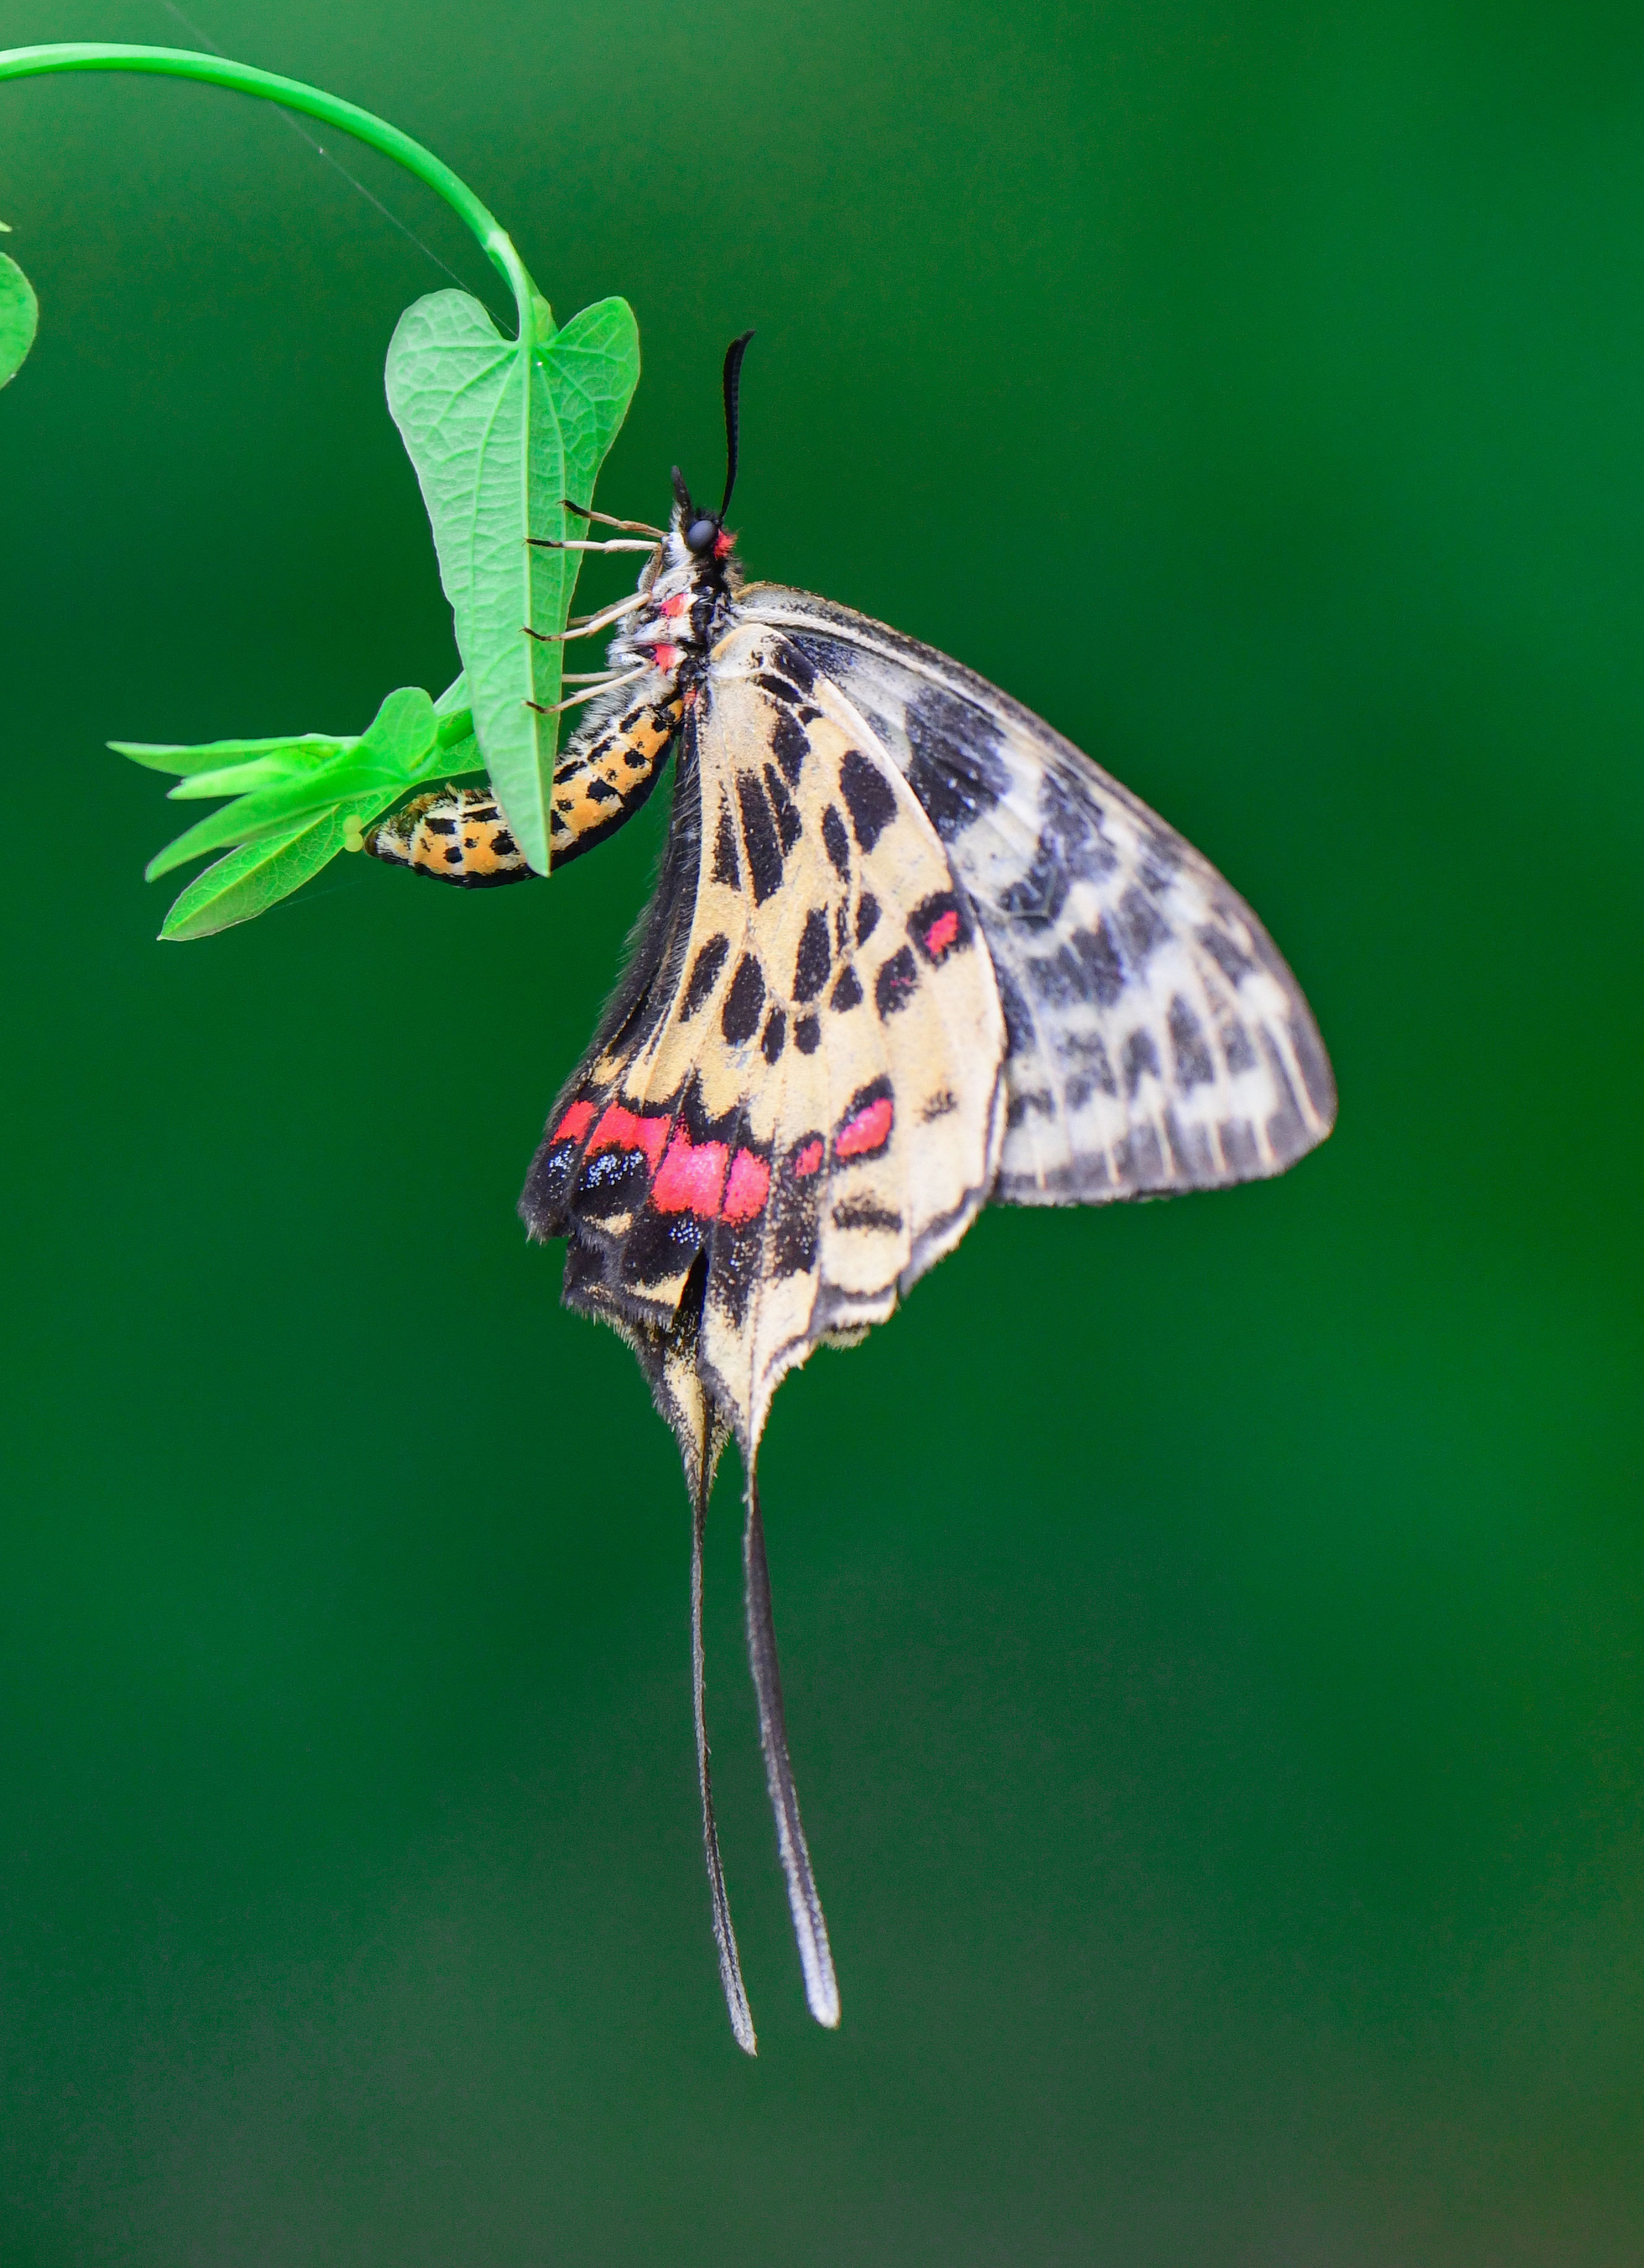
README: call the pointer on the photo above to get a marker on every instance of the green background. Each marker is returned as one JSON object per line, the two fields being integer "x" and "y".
{"x": 1212, "y": 1632}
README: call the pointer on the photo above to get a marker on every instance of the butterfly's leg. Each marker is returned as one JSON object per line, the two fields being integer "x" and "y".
{"x": 586, "y": 625}
{"x": 586, "y": 543}
{"x": 822, "y": 1990}
{"x": 604, "y": 519}
{"x": 605, "y": 685}
{"x": 724, "y": 1935}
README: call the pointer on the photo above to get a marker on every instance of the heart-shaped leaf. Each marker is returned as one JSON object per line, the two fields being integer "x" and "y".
{"x": 500, "y": 430}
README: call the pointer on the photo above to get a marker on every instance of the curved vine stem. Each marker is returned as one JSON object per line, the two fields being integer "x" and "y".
{"x": 246, "y": 78}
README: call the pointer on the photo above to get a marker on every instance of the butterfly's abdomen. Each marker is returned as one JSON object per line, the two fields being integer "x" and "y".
{"x": 606, "y": 773}
{"x": 454, "y": 834}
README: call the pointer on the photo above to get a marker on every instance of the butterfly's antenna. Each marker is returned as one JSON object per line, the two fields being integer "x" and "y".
{"x": 822, "y": 1990}
{"x": 733, "y": 355}
{"x": 724, "y": 1935}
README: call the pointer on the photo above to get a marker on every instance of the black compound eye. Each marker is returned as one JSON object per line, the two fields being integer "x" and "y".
{"x": 702, "y": 536}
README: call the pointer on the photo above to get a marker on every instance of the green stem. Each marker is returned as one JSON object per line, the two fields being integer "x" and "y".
{"x": 245, "y": 78}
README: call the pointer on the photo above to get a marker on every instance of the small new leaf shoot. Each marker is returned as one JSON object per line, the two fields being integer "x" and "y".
{"x": 281, "y": 788}
{"x": 259, "y": 874}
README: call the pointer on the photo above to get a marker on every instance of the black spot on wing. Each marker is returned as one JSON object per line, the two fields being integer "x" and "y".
{"x": 847, "y": 993}
{"x": 1021, "y": 1032}
{"x": 867, "y": 917}
{"x": 957, "y": 770}
{"x": 705, "y": 975}
{"x": 1140, "y": 1056}
{"x": 1235, "y": 1045}
{"x": 759, "y": 837}
{"x": 660, "y": 1246}
{"x": 807, "y": 1035}
{"x": 1138, "y": 1159}
{"x": 869, "y": 797}
{"x": 744, "y": 1003}
{"x": 790, "y": 744}
{"x": 1226, "y": 955}
{"x": 862, "y": 1213}
{"x": 1086, "y": 967}
{"x": 612, "y": 1182}
{"x": 1191, "y": 1151}
{"x": 774, "y": 1036}
{"x": 726, "y": 868}
{"x": 836, "y": 843}
{"x": 789, "y": 824}
{"x": 793, "y": 1245}
{"x": 1193, "y": 1065}
{"x": 794, "y": 664}
{"x": 1142, "y": 927}
{"x": 1239, "y": 1148}
{"x": 814, "y": 959}
{"x": 893, "y": 986}
{"x": 600, "y": 790}
{"x": 1094, "y": 1073}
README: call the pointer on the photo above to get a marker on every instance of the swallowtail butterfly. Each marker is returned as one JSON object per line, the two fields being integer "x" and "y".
{"x": 909, "y": 952}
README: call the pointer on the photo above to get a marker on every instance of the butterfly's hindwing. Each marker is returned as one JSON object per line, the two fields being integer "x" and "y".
{"x": 802, "y": 1092}
{"x": 1157, "y": 1041}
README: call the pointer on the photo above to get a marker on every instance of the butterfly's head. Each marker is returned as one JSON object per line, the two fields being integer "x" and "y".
{"x": 695, "y": 536}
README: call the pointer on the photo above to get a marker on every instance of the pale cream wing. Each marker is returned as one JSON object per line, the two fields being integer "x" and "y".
{"x": 800, "y": 1098}
{"x": 1157, "y": 1041}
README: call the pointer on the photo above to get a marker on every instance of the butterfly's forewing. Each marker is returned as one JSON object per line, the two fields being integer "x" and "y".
{"x": 800, "y": 1094}
{"x": 1157, "y": 1041}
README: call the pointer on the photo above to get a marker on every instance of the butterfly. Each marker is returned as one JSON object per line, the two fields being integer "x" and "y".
{"x": 910, "y": 952}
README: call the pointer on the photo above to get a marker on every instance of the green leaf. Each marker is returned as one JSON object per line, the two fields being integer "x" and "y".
{"x": 457, "y": 749}
{"x": 401, "y": 732}
{"x": 259, "y": 874}
{"x": 294, "y": 755}
{"x": 285, "y": 787}
{"x": 20, "y": 319}
{"x": 500, "y": 430}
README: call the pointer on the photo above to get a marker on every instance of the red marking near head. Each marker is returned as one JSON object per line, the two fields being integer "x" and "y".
{"x": 724, "y": 544}
{"x": 941, "y": 933}
{"x": 622, "y": 1129}
{"x": 748, "y": 1188}
{"x": 869, "y": 1130}
{"x": 574, "y": 1125}
{"x": 676, "y": 605}
{"x": 809, "y": 1158}
{"x": 691, "y": 1177}
{"x": 665, "y": 657}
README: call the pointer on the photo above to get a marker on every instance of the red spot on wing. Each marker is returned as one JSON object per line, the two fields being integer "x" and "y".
{"x": 866, "y": 1129}
{"x": 622, "y": 1129}
{"x": 669, "y": 607}
{"x": 809, "y": 1158}
{"x": 691, "y": 1177}
{"x": 575, "y": 1123}
{"x": 748, "y": 1186}
{"x": 941, "y": 933}
{"x": 665, "y": 657}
